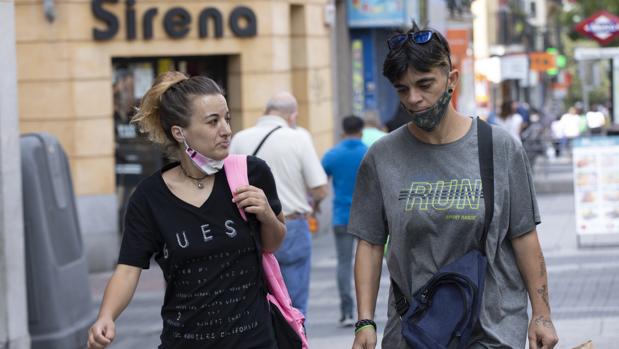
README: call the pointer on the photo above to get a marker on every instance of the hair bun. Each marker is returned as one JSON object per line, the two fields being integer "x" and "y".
{"x": 170, "y": 78}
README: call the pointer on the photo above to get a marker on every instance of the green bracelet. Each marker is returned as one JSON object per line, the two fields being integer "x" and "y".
{"x": 362, "y": 327}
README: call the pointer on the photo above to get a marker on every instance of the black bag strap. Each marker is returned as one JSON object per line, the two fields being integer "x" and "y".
{"x": 486, "y": 170}
{"x": 264, "y": 139}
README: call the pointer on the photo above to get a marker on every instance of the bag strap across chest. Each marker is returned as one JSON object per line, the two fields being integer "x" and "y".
{"x": 486, "y": 170}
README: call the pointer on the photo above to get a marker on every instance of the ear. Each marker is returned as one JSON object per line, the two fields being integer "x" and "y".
{"x": 292, "y": 119}
{"x": 454, "y": 77}
{"x": 177, "y": 133}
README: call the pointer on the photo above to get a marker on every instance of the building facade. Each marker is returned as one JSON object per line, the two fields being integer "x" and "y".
{"x": 84, "y": 65}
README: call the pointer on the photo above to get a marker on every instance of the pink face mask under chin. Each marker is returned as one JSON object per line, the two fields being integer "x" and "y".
{"x": 205, "y": 164}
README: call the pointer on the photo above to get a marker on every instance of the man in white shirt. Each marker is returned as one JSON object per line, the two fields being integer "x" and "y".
{"x": 296, "y": 167}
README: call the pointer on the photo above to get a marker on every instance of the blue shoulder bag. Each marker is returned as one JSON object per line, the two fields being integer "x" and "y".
{"x": 444, "y": 311}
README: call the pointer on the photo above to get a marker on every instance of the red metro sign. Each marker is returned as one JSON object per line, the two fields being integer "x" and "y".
{"x": 602, "y": 27}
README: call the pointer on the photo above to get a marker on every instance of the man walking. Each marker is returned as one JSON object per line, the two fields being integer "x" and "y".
{"x": 341, "y": 163}
{"x": 427, "y": 186}
{"x": 295, "y": 166}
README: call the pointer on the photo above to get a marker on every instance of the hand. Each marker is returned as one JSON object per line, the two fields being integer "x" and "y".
{"x": 365, "y": 339}
{"x": 101, "y": 334}
{"x": 253, "y": 200}
{"x": 542, "y": 334}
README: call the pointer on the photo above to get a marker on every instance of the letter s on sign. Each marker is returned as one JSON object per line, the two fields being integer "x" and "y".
{"x": 105, "y": 16}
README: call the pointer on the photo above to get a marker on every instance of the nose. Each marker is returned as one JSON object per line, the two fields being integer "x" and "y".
{"x": 225, "y": 130}
{"x": 414, "y": 97}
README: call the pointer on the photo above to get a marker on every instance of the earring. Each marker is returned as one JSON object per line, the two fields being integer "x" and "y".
{"x": 450, "y": 90}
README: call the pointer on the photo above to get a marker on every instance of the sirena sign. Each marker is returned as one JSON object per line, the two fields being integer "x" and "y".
{"x": 602, "y": 27}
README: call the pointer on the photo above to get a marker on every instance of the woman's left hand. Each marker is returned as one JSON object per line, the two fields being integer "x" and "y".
{"x": 253, "y": 200}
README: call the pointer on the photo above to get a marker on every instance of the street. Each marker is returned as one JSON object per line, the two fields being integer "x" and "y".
{"x": 584, "y": 290}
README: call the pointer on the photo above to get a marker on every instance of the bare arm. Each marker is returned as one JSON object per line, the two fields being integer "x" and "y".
{"x": 532, "y": 267}
{"x": 118, "y": 294}
{"x": 368, "y": 267}
{"x": 318, "y": 193}
{"x": 273, "y": 232}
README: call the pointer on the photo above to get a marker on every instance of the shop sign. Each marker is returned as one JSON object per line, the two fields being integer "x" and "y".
{"x": 176, "y": 21}
{"x": 542, "y": 61}
{"x": 376, "y": 13}
{"x": 602, "y": 27}
{"x": 515, "y": 67}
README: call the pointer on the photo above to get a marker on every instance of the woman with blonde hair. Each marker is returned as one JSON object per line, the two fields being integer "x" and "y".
{"x": 187, "y": 218}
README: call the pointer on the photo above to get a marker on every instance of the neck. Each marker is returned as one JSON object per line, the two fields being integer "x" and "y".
{"x": 279, "y": 114}
{"x": 352, "y": 136}
{"x": 453, "y": 127}
{"x": 189, "y": 167}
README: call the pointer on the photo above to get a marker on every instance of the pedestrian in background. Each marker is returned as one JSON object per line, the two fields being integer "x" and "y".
{"x": 421, "y": 184}
{"x": 186, "y": 217}
{"x": 372, "y": 130}
{"x": 341, "y": 163}
{"x": 510, "y": 120}
{"x": 291, "y": 156}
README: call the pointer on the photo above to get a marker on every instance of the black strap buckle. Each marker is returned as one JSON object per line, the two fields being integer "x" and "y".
{"x": 401, "y": 306}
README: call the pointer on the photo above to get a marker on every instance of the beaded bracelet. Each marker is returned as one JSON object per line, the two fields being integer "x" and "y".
{"x": 361, "y": 324}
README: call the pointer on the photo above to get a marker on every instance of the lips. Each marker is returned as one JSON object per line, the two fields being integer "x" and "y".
{"x": 418, "y": 111}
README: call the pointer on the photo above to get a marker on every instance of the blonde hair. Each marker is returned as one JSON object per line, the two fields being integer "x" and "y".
{"x": 168, "y": 103}
{"x": 147, "y": 116}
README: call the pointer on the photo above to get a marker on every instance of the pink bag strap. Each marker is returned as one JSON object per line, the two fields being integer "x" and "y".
{"x": 235, "y": 166}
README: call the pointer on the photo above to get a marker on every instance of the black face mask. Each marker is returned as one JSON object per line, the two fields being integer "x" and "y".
{"x": 428, "y": 119}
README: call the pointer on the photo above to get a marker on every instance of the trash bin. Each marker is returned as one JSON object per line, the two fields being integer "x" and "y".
{"x": 60, "y": 308}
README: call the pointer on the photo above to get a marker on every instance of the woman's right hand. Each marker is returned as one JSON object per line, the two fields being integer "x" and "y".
{"x": 365, "y": 339}
{"x": 101, "y": 333}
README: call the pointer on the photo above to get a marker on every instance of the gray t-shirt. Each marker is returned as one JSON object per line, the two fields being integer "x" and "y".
{"x": 429, "y": 199}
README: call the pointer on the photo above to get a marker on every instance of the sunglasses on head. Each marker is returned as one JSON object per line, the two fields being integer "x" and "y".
{"x": 420, "y": 37}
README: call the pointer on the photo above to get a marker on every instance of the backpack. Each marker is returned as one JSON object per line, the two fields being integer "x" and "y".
{"x": 444, "y": 311}
{"x": 288, "y": 322}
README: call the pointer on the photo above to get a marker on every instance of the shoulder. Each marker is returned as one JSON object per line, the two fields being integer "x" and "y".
{"x": 302, "y": 132}
{"x": 151, "y": 184}
{"x": 256, "y": 166}
{"x": 155, "y": 179}
{"x": 504, "y": 143}
{"x": 395, "y": 138}
{"x": 501, "y": 137}
{"x": 242, "y": 136}
{"x": 245, "y": 132}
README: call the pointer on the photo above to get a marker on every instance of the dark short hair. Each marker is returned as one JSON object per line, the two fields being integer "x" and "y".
{"x": 507, "y": 108}
{"x": 352, "y": 124}
{"x": 421, "y": 57}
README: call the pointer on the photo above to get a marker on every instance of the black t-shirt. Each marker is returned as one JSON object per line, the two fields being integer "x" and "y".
{"x": 214, "y": 297}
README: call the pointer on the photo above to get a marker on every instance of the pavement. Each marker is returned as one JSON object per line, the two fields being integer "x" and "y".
{"x": 583, "y": 282}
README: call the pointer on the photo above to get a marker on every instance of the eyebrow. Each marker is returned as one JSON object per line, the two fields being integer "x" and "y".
{"x": 418, "y": 82}
{"x": 216, "y": 114}
{"x": 425, "y": 80}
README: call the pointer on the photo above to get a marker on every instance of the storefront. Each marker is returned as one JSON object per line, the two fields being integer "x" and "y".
{"x": 82, "y": 73}
{"x": 370, "y": 24}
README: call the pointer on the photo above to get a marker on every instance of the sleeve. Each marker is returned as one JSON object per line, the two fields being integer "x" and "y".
{"x": 139, "y": 242}
{"x": 313, "y": 172}
{"x": 327, "y": 163}
{"x": 259, "y": 175}
{"x": 367, "y": 213}
{"x": 523, "y": 210}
